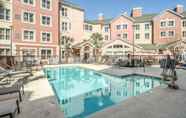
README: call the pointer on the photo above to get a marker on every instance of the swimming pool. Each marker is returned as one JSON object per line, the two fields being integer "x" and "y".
{"x": 81, "y": 92}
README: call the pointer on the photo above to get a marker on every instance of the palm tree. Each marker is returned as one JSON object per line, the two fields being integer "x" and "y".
{"x": 68, "y": 47}
{"x": 97, "y": 41}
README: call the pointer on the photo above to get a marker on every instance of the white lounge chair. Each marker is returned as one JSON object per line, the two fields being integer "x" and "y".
{"x": 9, "y": 108}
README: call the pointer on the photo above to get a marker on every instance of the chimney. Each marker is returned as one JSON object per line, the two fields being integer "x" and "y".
{"x": 101, "y": 19}
{"x": 179, "y": 9}
{"x": 136, "y": 12}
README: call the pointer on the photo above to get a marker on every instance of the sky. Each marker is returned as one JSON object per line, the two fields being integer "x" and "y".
{"x": 113, "y": 8}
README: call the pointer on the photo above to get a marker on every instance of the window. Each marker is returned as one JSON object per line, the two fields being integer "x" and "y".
{"x": 46, "y": 4}
{"x": 46, "y": 20}
{"x": 46, "y": 36}
{"x": 4, "y": 34}
{"x": 137, "y": 27}
{"x": 63, "y": 40}
{"x": 163, "y": 34}
{"x": 4, "y": 14}
{"x": 184, "y": 23}
{"x": 64, "y": 26}
{"x": 63, "y": 54}
{"x": 171, "y": 23}
{"x": 125, "y": 26}
{"x": 88, "y": 27}
{"x": 46, "y": 53}
{"x": 171, "y": 33}
{"x": 64, "y": 11}
{"x": 117, "y": 46}
{"x": 137, "y": 36}
{"x": 125, "y": 36}
{"x": 4, "y": 51}
{"x": 163, "y": 23}
{"x": 184, "y": 34}
{"x": 106, "y": 29}
{"x": 31, "y": 2}
{"x": 147, "y": 26}
{"x": 106, "y": 37}
{"x": 28, "y": 17}
{"x": 118, "y": 35}
{"x": 118, "y": 27}
{"x": 28, "y": 35}
{"x": 147, "y": 35}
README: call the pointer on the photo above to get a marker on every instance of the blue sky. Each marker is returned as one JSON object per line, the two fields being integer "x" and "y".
{"x": 112, "y": 8}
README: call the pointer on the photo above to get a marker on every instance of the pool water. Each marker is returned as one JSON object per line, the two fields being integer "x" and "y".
{"x": 81, "y": 92}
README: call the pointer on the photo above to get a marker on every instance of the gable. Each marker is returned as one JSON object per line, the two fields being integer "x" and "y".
{"x": 122, "y": 18}
{"x": 118, "y": 42}
{"x": 166, "y": 14}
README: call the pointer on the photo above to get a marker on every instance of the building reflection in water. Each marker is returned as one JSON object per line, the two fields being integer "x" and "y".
{"x": 81, "y": 92}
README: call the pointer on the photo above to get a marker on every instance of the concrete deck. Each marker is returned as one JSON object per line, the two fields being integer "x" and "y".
{"x": 39, "y": 100}
{"x": 162, "y": 102}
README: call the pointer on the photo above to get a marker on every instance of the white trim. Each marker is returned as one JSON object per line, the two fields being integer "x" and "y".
{"x": 34, "y": 40}
{"x": 41, "y": 15}
{"x": 36, "y": 44}
{"x": 41, "y": 38}
{"x": 34, "y": 3}
{"x": 46, "y": 8}
{"x": 173, "y": 21}
{"x": 124, "y": 16}
{"x": 22, "y": 16}
{"x": 52, "y": 51}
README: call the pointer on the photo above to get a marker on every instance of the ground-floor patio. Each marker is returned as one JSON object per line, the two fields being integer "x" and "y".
{"x": 161, "y": 102}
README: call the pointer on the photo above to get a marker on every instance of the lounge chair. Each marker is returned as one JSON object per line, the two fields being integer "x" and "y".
{"x": 9, "y": 96}
{"x": 9, "y": 108}
{"x": 11, "y": 90}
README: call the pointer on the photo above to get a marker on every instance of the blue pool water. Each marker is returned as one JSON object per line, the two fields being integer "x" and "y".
{"x": 81, "y": 92}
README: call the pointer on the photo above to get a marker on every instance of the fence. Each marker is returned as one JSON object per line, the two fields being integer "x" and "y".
{"x": 26, "y": 61}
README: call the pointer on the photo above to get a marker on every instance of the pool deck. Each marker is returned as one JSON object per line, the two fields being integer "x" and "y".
{"x": 161, "y": 102}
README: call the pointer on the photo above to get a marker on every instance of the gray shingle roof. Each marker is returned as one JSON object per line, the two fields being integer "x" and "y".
{"x": 106, "y": 21}
{"x": 144, "y": 18}
{"x": 72, "y": 5}
{"x": 184, "y": 14}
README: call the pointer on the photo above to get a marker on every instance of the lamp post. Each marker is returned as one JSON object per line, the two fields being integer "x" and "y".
{"x": 11, "y": 41}
{"x": 133, "y": 44}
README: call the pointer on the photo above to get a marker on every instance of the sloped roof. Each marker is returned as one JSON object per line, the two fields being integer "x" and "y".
{"x": 94, "y": 22}
{"x": 184, "y": 14}
{"x": 144, "y": 18}
{"x": 111, "y": 41}
{"x": 80, "y": 44}
{"x": 72, "y": 5}
{"x": 164, "y": 46}
{"x": 149, "y": 46}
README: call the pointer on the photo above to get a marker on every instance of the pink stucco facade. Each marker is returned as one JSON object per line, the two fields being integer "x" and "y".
{"x": 19, "y": 26}
{"x": 157, "y": 29}
{"x": 122, "y": 20}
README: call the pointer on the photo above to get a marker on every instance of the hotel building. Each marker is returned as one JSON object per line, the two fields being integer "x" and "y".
{"x": 35, "y": 28}
{"x": 5, "y": 28}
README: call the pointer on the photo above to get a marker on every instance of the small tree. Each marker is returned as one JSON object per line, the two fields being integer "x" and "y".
{"x": 68, "y": 47}
{"x": 97, "y": 41}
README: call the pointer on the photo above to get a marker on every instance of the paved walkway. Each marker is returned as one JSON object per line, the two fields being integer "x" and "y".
{"x": 39, "y": 101}
{"x": 162, "y": 102}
